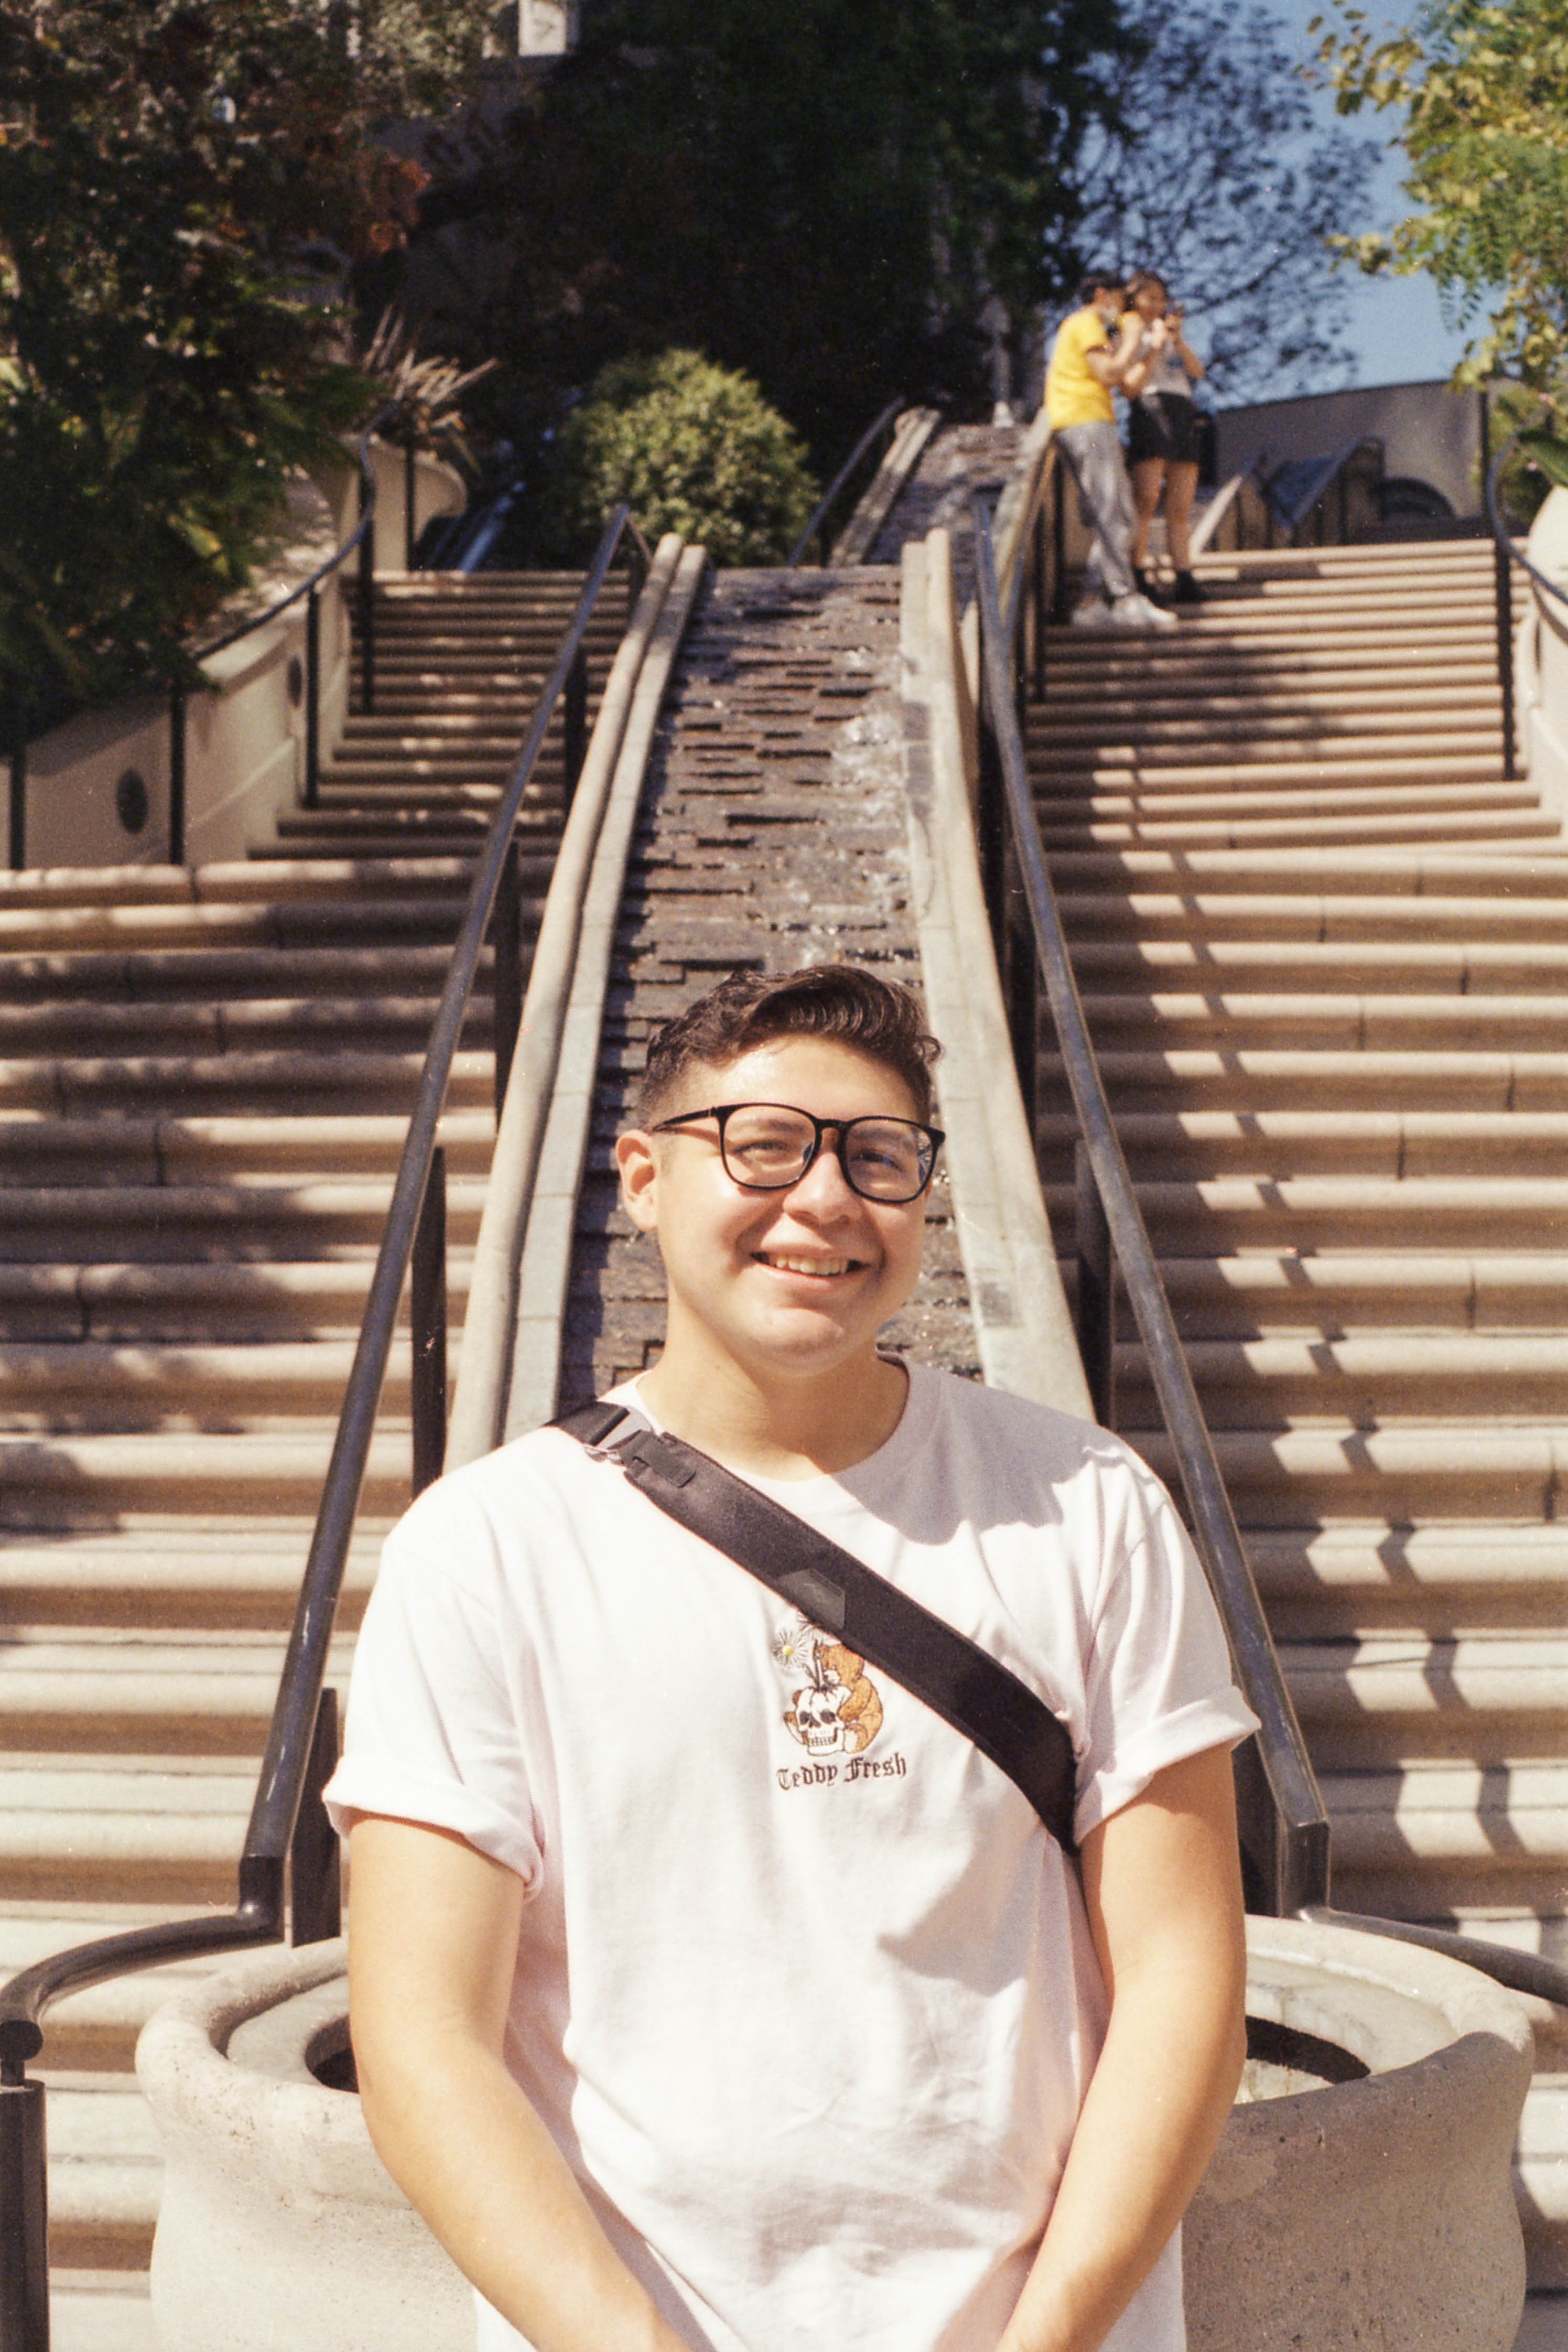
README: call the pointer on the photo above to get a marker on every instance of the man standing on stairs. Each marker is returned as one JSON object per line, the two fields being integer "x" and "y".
{"x": 1085, "y": 365}
{"x": 709, "y": 1991}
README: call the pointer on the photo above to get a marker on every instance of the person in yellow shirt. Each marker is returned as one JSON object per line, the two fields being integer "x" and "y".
{"x": 1085, "y": 366}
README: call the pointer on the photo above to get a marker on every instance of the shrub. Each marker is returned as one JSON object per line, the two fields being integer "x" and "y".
{"x": 691, "y": 447}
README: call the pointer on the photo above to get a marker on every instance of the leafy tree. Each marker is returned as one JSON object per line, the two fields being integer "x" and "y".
{"x": 822, "y": 195}
{"x": 1215, "y": 174}
{"x": 182, "y": 188}
{"x": 692, "y": 447}
{"x": 1484, "y": 95}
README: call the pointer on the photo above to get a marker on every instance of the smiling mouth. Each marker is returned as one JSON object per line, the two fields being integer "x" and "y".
{"x": 782, "y": 1263}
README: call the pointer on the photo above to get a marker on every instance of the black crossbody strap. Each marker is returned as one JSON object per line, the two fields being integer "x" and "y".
{"x": 953, "y": 1675}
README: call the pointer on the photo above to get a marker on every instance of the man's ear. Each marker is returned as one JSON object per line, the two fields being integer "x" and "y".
{"x": 639, "y": 1177}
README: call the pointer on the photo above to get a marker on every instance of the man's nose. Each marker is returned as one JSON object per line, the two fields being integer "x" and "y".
{"x": 824, "y": 1181}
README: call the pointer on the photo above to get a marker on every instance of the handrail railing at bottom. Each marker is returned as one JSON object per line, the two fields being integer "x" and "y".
{"x": 283, "y": 1856}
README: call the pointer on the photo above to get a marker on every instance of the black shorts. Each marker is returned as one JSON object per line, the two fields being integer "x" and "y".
{"x": 1163, "y": 425}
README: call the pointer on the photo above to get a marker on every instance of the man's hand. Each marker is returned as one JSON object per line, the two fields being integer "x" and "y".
{"x": 432, "y": 1945}
{"x": 1162, "y": 1886}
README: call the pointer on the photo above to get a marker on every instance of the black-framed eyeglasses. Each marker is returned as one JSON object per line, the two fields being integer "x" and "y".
{"x": 767, "y": 1147}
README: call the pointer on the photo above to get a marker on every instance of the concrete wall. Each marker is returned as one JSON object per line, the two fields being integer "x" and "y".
{"x": 245, "y": 741}
{"x": 1427, "y": 430}
{"x": 1541, "y": 665}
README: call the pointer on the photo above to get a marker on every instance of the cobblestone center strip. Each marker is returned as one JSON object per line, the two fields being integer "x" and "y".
{"x": 772, "y": 833}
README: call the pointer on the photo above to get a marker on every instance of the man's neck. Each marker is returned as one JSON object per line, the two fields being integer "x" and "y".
{"x": 781, "y": 1429}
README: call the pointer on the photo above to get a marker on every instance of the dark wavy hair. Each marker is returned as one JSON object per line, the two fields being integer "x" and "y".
{"x": 880, "y": 1018}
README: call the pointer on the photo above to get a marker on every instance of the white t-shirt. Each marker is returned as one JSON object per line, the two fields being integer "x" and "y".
{"x": 805, "y": 1992}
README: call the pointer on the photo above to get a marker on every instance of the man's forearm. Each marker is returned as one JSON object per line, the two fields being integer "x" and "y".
{"x": 474, "y": 2158}
{"x": 1162, "y": 1889}
{"x": 1160, "y": 2095}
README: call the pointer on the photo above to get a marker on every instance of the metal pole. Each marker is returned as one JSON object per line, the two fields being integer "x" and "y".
{"x": 1040, "y": 602}
{"x": 314, "y": 1869}
{"x": 177, "y": 776}
{"x": 410, "y": 483}
{"x": 23, "y": 2219}
{"x": 1502, "y": 590}
{"x": 312, "y": 700}
{"x": 507, "y": 996}
{"x": 1060, "y": 608}
{"x": 367, "y": 611}
{"x": 1096, "y": 1312}
{"x": 574, "y": 730}
{"x": 18, "y": 824}
{"x": 427, "y": 1319}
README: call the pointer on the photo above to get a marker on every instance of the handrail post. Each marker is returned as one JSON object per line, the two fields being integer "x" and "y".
{"x": 1060, "y": 605}
{"x": 312, "y": 700}
{"x": 506, "y": 991}
{"x": 410, "y": 485}
{"x": 366, "y": 599}
{"x": 24, "y": 2218}
{"x": 17, "y": 828}
{"x": 1503, "y": 593}
{"x": 1094, "y": 1316}
{"x": 574, "y": 729}
{"x": 1039, "y": 601}
{"x": 177, "y": 775}
{"x": 427, "y": 1321}
{"x": 315, "y": 1862}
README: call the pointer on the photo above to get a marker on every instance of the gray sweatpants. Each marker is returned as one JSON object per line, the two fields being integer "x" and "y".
{"x": 1094, "y": 453}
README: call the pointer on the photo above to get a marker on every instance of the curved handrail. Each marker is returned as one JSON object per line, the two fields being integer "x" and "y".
{"x": 1303, "y": 1860}
{"x": 1303, "y": 1875}
{"x": 322, "y": 570}
{"x": 257, "y": 1917}
{"x": 819, "y": 512}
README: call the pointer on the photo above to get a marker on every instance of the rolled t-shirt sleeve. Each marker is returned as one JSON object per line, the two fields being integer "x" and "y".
{"x": 432, "y": 1733}
{"x": 1157, "y": 1683}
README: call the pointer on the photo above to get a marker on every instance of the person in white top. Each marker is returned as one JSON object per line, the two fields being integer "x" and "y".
{"x": 1162, "y": 429}
{"x": 709, "y": 1992}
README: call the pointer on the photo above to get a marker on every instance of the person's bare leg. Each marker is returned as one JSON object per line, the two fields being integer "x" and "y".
{"x": 1148, "y": 477}
{"x": 1181, "y": 483}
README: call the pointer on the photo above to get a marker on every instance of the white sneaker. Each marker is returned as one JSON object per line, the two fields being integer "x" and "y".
{"x": 1093, "y": 615}
{"x": 1135, "y": 611}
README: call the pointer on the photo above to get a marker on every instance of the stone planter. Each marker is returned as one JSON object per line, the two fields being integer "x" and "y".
{"x": 1375, "y": 2211}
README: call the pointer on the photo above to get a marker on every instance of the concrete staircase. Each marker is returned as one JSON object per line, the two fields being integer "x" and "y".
{"x": 205, "y": 1078}
{"x": 1323, "y": 950}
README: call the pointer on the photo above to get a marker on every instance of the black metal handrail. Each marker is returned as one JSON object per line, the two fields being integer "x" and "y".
{"x": 879, "y": 424}
{"x": 1284, "y": 1827}
{"x": 1286, "y": 1841}
{"x": 285, "y": 1850}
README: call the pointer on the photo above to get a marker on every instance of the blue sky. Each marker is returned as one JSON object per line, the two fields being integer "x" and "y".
{"x": 1397, "y": 332}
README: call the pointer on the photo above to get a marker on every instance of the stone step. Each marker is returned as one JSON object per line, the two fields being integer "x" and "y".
{"x": 1408, "y": 873}
{"x": 1442, "y": 1577}
{"x": 61, "y": 1482}
{"x": 1348, "y": 1021}
{"x": 211, "y": 1572}
{"x": 310, "y": 1298}
{"x": 1502, "y": 824}
{"x": 1203, "y": 1143}
{"x": 106, "y": 2172}
{"x": 1217, "y": 1216}
{"x": 129, "y": 1829}
{"x": 264, "y": 1083}
{"x": 43, "y": 1150}
{"x": 176, "y": 1223}
{"x": 1214, "y": 1078}
{"x": 250, "y": 1022}
{"x": 1211, "y": 923}
{"x": 84, "y": 1385}
{"x": 1298, "y": 761}
{"x": 1138, "y": 797}
{"x": 1366, "y": 1380}
{"x": 1440, "y": 1838}
{"x": 1333, "y": 1293}
{"x": 1290, "y": 965}
{"x": 111, "y": 2311}
{"x": 1329, "y": 1470}
{"x": 1380, "y": 1702}
{"x": 400, "y": 968}
{"x": 209, "y": 1694}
